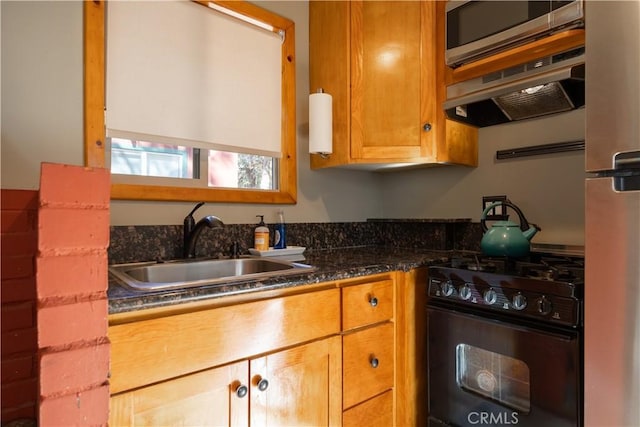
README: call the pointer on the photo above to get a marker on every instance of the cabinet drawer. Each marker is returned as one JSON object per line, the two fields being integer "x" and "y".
{"x": 153, "y": 350}
{"x": 377, "y": 412}
{"x": 367, "y": 303}
{"x": 368, "y": 363}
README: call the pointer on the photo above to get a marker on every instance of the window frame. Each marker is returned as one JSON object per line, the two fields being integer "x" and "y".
{"x": 94, "y": 122}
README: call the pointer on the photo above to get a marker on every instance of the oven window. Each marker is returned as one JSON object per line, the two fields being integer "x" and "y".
{"x": 495, "y": 376}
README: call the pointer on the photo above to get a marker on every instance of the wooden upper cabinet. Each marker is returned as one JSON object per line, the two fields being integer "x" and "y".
{"x": 378, "y": 60}
{"x": 386, "y": 80}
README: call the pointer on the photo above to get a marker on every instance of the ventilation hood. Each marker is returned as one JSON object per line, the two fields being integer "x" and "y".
{"x": 549, "y": 85}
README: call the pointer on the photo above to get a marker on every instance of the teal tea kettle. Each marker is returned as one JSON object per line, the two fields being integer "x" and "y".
{"x": 506, "y": 238}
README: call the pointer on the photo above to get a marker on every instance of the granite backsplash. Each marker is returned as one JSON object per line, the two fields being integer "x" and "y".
{"x": 152, "y": 242}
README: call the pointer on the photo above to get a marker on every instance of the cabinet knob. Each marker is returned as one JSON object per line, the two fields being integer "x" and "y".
{"x": 373, "y": 301}
{"x": 263, "y": 384}
{"x": 241, "y": 391}
{"x": 373, "y": 361}
{"x": 426, "y": 127}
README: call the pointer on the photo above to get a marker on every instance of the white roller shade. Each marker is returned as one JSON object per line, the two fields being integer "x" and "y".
{"x": 179, "y": 71}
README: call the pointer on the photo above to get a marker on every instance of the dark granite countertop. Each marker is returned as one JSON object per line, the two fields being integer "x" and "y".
{"x": 422, "y": 220}
{"x": 334, "y": 264}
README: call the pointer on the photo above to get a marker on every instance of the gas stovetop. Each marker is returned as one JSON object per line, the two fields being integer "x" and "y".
{"x": 546, "y": 288}
{"x": 548, "y": 267}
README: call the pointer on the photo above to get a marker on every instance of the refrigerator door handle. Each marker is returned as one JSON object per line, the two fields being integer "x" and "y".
{"x": 626, "y": 175}
{"x": 627, "y": 160}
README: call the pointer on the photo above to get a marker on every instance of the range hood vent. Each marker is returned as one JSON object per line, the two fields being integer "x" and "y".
{"x": 546, "y": 86}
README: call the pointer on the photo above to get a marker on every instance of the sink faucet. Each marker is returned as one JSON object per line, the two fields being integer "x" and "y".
{"x": 192, "y": 230}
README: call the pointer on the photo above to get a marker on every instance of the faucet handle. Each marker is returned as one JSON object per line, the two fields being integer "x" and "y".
{"x": 196, "y": 208}
{"x": 189, "y": 221}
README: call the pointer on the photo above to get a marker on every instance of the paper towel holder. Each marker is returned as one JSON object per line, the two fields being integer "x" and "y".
{"x": 320, "y": 124}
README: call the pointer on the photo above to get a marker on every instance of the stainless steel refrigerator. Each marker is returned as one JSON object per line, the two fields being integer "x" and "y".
{"x": 612, "y": 218}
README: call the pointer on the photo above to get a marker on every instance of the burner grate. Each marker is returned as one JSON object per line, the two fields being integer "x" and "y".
{"x": 542, "y": 267}
{"x": 478, "y": 263}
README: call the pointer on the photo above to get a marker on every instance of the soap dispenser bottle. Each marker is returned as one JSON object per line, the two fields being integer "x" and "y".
{"x": 280, "y": 236}
{"x": 261, "y": 235}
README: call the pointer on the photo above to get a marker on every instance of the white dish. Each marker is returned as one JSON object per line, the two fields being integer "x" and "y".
{"x": 289, "y": 250}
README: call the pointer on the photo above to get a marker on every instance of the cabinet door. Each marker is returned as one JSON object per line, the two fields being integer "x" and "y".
{"x": 208, "y": 398}
{"x": 387, "y": 80}
{"x": 300, "y": 386}
{"x": 383, "y": 63}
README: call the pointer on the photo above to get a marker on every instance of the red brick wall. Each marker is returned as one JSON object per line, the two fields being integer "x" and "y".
{"x": 71, "y": 283}
{"x": 18, "y": 237}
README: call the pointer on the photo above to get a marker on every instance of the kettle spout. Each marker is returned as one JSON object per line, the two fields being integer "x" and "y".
{"x": 533, "y": 229}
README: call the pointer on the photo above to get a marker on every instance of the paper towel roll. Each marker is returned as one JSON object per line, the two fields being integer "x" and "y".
{"x": 320, "y": 124}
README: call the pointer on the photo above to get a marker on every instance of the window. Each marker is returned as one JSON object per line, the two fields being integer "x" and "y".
{"x": 235, "y": 170}
{"x": 219, "y": 169}
{"x": 189, "y": 168}
{"x": 150, "y": 159}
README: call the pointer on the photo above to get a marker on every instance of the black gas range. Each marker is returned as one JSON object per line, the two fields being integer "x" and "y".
{"x": 542, "y": 287}
{"x": 505, "y": 341}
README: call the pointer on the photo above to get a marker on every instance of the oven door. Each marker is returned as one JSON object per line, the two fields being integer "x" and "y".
{"x": 489, "y": 372}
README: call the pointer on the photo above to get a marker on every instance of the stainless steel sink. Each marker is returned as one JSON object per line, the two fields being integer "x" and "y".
{"x": 153, "y": 276}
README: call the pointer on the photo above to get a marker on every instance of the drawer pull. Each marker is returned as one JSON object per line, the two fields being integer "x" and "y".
{"x": 242, "y": 391}
{"x": 373, "y": 301}
{"x": 263, "y": 384}
{"x": 374, "y": 362}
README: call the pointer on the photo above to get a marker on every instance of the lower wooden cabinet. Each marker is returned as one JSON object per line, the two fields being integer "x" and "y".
{"x": 411, "y": 348}
{"x": 297, "y": 386}
{"x": 375, "y": 412}
{"x": 303, "y": 389}
{"x": 208, "y": 398}
{"x": 368, "y": 363}
{"x": 345, "y": 353}
{"x": 266, "y": 362}
{"x": 165, "y": 346}
{"x": 368, "y": 351}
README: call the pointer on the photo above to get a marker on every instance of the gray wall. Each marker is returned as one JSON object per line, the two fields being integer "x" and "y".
{"x": 549, "y": 189}
{"x": 41, "y": 116}
{"x": 41, "y": 88}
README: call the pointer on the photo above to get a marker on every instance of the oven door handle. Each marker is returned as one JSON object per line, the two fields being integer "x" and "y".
{"x": 520, "y": 324}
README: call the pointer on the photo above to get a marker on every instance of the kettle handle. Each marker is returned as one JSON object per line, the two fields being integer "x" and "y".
{"x": 524, "y": 224}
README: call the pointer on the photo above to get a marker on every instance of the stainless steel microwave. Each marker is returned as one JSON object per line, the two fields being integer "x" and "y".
{"x": 478, "y": 28}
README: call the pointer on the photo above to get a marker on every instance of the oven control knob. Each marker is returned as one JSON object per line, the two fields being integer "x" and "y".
{"x": 519, "y": 302}
{"x": 465, "y": 292}
{"x": 544, "y": 306}
{"x": 447, "y": 288}
{"x": 490, "y": 296}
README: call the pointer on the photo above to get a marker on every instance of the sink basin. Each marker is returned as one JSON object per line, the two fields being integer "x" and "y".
{"x": 153, "y": 276}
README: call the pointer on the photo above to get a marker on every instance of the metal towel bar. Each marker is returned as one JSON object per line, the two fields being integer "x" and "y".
{"x": 536, "y": 150}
